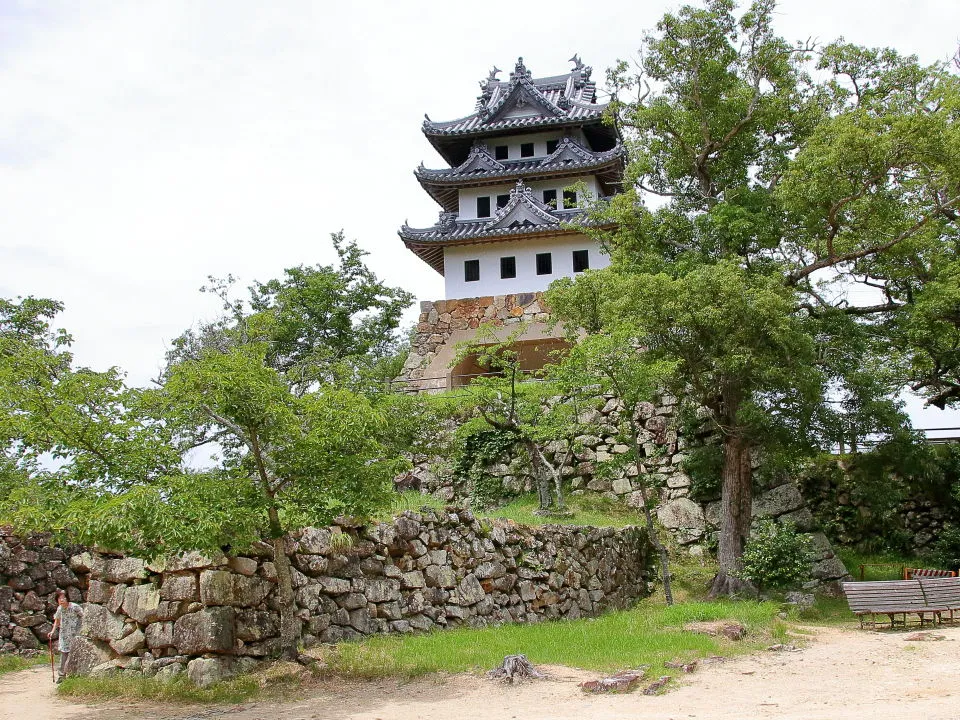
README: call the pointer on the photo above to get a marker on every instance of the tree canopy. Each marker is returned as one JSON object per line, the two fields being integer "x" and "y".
{"x": 786, "y": 236}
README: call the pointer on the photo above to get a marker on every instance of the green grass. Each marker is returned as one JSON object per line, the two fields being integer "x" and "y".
{"x": 853, "y": 559}
{"x": 586, "y": 510}
{"x": 179, "y": 690}
{"x": 648, "y": 635}
{"x": 16, "y": 663}
{"x": 409, "y": 500}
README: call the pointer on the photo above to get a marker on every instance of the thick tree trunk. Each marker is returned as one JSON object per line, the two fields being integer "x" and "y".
{"x": 289, "y": 623}
{"x": 540, "y": 475}
{"x": 735, "y": 514}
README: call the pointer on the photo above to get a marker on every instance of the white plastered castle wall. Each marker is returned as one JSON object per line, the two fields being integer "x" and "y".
{"x": 468, "y": 196}
{"x": 525, "y": 251}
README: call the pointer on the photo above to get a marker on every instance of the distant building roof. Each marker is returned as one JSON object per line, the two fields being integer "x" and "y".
{"x": 481, "y": 168}
{"x": 523, "y": 215}
{"x": 522, "y": 104}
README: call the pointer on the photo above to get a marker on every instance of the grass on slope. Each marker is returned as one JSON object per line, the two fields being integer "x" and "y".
{"x": 648, "y": 635}
{"x": 16, "y": 663}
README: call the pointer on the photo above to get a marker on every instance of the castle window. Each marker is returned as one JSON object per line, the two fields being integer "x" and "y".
{"x": 544, "y": 264}
{"x": 526, "y": 150}
{"x": 502, "y": 201}
{"x": 552, "y": 146}
{"x": 550, "y": 198}
{"x": 471, "y": 270}
{"x": 483, "y": 207}
{"x": 569, "y": 199}
{"x": 501, "y": 152}
{"x": 581, "y": 260}
{"x": 508, "y": 267}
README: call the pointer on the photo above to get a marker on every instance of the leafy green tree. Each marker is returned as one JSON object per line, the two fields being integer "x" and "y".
{"x": 613, "y": 363}
{"x": 274, "y": 386}
{"x": 786, "y": 177}
{"x": 525, "y": 408}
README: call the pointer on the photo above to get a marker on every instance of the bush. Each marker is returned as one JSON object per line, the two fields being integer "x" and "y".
{"x": 776, "y": 556}
{"x": 945, "y": 552}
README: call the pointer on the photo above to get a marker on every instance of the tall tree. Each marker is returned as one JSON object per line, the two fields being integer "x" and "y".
{"x": 274, "y": 385}
{"x": 794, "y": 216}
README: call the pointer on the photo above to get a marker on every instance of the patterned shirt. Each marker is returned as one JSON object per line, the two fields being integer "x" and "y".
{"x": 70, "y": 618}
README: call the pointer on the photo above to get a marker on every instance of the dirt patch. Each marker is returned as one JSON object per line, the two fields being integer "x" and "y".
{"x": 841, "y": 675}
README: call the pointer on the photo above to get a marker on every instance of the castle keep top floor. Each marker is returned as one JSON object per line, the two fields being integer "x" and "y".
{"x": 505, "y": 194}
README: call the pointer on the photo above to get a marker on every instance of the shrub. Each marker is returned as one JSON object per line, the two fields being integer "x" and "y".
{"x": 776, "y": 556}
{"x": 945, "y": 552}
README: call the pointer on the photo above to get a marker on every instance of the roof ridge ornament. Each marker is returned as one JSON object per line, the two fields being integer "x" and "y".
{"x": 585, "y": 71}
{"x": 520, "y": 71}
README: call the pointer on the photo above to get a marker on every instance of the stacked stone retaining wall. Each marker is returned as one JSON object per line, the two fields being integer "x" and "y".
{"x": 212, "y": 616}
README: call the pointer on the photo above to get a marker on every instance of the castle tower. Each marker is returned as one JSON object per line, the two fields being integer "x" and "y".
{"x": 500, "y": 239}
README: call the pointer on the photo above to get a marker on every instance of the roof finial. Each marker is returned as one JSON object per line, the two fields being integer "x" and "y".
{"x": 492, "y": 77}
{"x": 520, "y": 71}
{"x": 577, "y": 62}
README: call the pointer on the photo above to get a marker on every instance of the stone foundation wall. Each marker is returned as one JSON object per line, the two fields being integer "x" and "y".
{"x": 444, "y": 323}
{"x": 212, "y": 616}
{"x": 694, "y": 523}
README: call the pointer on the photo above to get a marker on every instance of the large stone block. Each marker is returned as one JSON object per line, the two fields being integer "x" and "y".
{"x": 179, "y": 587}
{"x": 255, "y": 625}
{"x": 220, "y": 587}
{"x": 779, "y": 501}
{"x": 193, "y": 560}
{"x": 204, "y": 672}
{"x": 438, "y": 576}
{"x": 124, "y": 570}
{"x": 130, "y": 644}
{"x": 209, "y": 630}
{"x": 142, "y": 603}
{"x": 469, "y": 591}
{"x": 159, "y": 635}
{"x": 101, "y": 624}
{"x": 382, "y": 590}
{"x": 86, "y": 654}
{"x": 684, "y": 517}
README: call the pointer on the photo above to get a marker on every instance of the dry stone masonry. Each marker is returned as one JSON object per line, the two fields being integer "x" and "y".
{"x": 213, "y": 616}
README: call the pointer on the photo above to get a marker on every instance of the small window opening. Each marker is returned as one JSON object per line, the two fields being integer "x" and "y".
{"x": 526, "y": 150}
{"x": 501, "y": 152}
{"x": 502, "y": 201}
{"x": 581, "y": 260}
{"x": 483, "y": 207}
{"x": 544, "y": 264}
{"x": 508, "y": 267}
{"x": 550, "y": 198}
{"x": 569, "y": 199}
{"x": 471, "y": 270}
{"x": 552, "y": 146}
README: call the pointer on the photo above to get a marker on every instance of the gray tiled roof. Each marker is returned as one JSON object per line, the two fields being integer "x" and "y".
{"x": 569, "y": 155}
{"x": 523, "y": 214}
{"x": 525, "y": 102}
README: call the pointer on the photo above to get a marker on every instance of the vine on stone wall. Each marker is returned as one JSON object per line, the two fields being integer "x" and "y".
{"x": 476, "y": 452}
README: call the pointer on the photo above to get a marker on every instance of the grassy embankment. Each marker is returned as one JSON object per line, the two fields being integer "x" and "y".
{"x": 16, "y": 663}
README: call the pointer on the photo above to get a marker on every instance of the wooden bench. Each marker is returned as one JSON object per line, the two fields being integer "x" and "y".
{"x": 916, "y": 573}
{"x": 942, "y": 592}
{"x": 891, "y": 598}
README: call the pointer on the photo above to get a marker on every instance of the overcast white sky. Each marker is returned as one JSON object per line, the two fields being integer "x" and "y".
{"x": 147, "y": 145}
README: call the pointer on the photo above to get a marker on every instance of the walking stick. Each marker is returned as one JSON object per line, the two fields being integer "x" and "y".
{"x": 53, "y": 673}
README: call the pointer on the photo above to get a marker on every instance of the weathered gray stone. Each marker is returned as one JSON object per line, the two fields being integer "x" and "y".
{"x": 142, "y": 603}
{"x": 469, "y": 591}
{"x": 220, "y": 587}
{"x": 169, "y": 672}
{"x": 622, "y": 486}
{"x": 159, "y": 635}
{"x": 831, "y": 569}
{"x": 124, "y": 570}
{"x": 130, "y": 644}
{"x": 783, "y": 499}
{"x": 192, "y": 560}
{"x": 382, "y": 590}
{"x": 179, "y": 587}
{"x": 412, "y": 580}
{"x": 255, "y": 625}
{"x": 440, "y": 577}
{"x": 314, "y": 541}
{"x": 334, "y": 586}
{"x": 101, "y": 624}
{"x": 86, "y": 654}
{"x": 209, "y": 630}
{"x": 242, "y": 565}
{"x": 682, "y": 515}
{"x": 204, "y": 672}
{"x": 490, "y": 570}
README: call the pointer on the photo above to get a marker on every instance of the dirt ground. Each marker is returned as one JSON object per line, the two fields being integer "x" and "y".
{"x": 841, "y": 674}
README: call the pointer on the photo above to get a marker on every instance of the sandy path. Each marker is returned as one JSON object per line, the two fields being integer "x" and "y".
{"x": 841, "y": 675}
